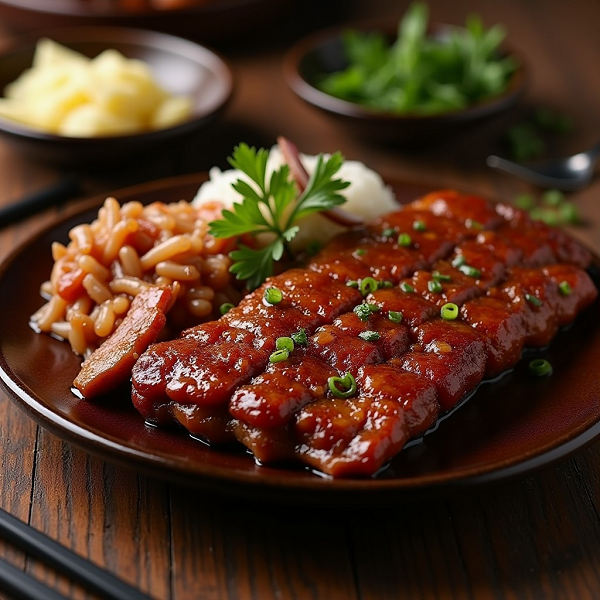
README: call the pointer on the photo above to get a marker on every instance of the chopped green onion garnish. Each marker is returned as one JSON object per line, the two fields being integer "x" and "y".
{"x": 300, "y": 337}
{"x": 533, "y": 300}
{"x": 540, "y": 367}
{"x": 342, "y": 387}
{"x": 404, "y": 240}
{"x": 435, "y": 286}
{"x": 419, "y": 226}
{"x": 440, "y": 276}
{"x": 278, "y": 356}
{"x": 470, "y": 271}
{"x": 362, "y": 311}
{"x": 352, "y": 283}
{"x": 449, "y": 311}
{"x": 360, "y": 252}
{"x": 389, "y": 232}
{"x": 406, "y": 287}
{"x": 385, "y": 284}
{"x": 564, "y": 288}
{"x": 395, "y": 316}
{"x": 225, "y": 308}
{"x": 373, "y": 307}
{"x": 569, "y": 213}
{"x": 369, "y": 336}
{"x": 459, "y": 261}
{"x": 368, "y": 285}
{"x": 273, "y": 295}
{"x": 553, "y": 198}
{"x": 524, "y": 201}
{"x": 284, "y": 343}
{"x": 473, "y": 224}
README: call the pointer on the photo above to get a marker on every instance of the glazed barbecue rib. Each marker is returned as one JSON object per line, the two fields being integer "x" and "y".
{"x": 452, "y": 355}
{"x": 206, "y": 365}
{"x": 405, "y": 378}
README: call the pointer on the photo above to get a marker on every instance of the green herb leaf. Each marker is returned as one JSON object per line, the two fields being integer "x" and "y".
{"x": 272, "y": 206}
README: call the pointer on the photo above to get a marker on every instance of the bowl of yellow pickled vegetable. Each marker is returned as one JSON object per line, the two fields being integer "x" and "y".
{"x": 418, "y": 84}
{"x": 99, "y": 95}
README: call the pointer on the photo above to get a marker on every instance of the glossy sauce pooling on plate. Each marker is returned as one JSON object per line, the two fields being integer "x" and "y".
{"x": 513, "y": 283}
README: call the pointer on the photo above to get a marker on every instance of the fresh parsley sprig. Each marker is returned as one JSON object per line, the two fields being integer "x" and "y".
{"x": 273, "y": 205}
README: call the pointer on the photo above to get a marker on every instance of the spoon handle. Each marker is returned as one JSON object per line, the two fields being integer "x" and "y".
{"x": 545, "y": 181}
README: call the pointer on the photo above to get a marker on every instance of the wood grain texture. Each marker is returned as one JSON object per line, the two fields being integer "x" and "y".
{"x": 529, "y": 539}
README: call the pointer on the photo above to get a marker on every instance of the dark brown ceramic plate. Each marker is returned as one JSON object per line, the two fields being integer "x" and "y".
{"x": 322, "y": 53}
{"x": 180, "y": 66}
{"x": 506, "y": 429}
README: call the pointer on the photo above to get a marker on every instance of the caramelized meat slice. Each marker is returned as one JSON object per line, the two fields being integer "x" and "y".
{"x": 475, "y": 261}
{"x": 416, "y": 395}
{"x": 576, "y": 290}
{"x": 491, "y": 241}
{"x": 413, "y": 308}
{"x": 540, "y": 297}
{"x": 450, "y": 354}
{"x": 474, "y": 211}
{"x": 444, "y": 284}
{"x": 502, "y": 322}
{"x": 433, "y": 237}
{"x": 263, "y": 408}
{"x": 363, "y": 256}
{"x": 535, "y": 251}
{"x": 563, "y": 247}
{"x": 111, "y": 364}
{"x": 350, "y": 438}
{"x": 205, "y": 423}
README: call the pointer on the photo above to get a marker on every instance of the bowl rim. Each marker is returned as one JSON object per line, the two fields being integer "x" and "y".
{"x": 78, "y": 9}
{"x": 306, "y": 90}
{"x": 135, "y": 37}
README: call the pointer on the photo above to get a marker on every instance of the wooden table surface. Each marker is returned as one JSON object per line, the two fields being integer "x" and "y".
{"x": 537, "y": 537}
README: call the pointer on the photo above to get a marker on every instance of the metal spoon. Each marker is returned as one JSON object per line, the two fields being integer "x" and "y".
{"x": 567, "y": 174}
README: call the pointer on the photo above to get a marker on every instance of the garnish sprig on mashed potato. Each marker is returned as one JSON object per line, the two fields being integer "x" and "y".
{"x": 273, "y": 206}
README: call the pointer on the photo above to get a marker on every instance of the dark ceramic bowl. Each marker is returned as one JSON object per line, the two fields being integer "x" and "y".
{"x": 180, "y": 66}
{"x": 201, "y": 20}
{"x": 323, "y": 53}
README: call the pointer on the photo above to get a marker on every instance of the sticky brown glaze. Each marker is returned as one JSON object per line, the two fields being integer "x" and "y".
{"x": 535, "y": 251}
{"x": 417, "y": 395}
{"x": 458, "y": 289}
{"x": 564, "y": 248}
{"x": 502, "y": 322}
{"x": 473, "y": 211}
{"x": 490, "y": 268}
{"x": 414, "y": 308}
{"x": 581, "y": 293}
{"x": 265, "y": 405}
{"x": 353, "y": 437}
{"x": 206, "y": 423}
{"x": 208, "y": 375}
{"x": 539, "y": 296}
{"x": 451, "y": 355}
{"x": 217, "y": 380}
{"x": 437, "y": 238}
{"x": 367, "y": 256}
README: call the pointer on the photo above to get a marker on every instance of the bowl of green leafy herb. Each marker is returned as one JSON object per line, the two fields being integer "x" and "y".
{"x": 415, "y": 85}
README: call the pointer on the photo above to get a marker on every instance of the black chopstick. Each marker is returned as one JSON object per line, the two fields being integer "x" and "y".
{"x": 67, "y": 187}
{"x": 78, "y": 569}
{"x": 24, "y": 587}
